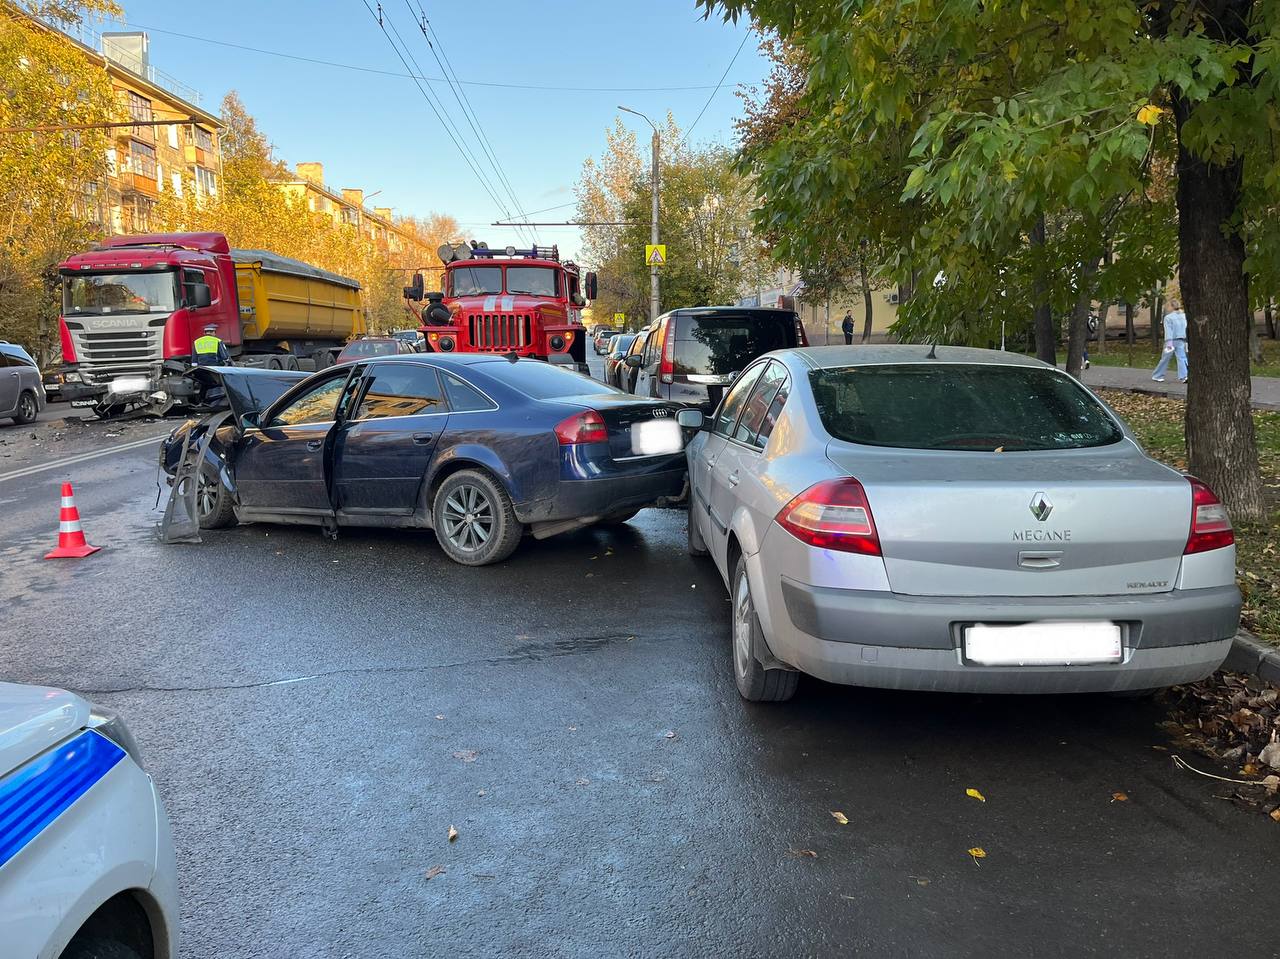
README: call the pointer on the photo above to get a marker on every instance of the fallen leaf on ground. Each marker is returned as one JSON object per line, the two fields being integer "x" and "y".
{"x": 435, "y": 871}
{"x": 974, "y": 794}
{"x": 466, "y": 755}
{"x": 799, "y": 853}
{"x": 584, "y": 782}
{"x": 439, "y": 715}
{"x": 920, "y": 880}
{"x": 453, "y": 834}
{"x": 840, "y": 817}
{"x": 669, "y": 734}
{"x": 1271, "y": 783}
{"x": 480, "y": 792}
{"x": 1275, "y": 814}
{"x": 977, "y": 852}
{"x": 1119, "y": 797}
{"x": 1270, "y": 755}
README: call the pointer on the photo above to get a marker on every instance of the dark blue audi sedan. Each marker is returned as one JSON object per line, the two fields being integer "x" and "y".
{"x": 477, "y": 447}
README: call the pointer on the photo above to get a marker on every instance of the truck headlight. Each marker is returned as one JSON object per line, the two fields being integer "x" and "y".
{"x": 73, "y": 378}
{"x": 107, "y": 722}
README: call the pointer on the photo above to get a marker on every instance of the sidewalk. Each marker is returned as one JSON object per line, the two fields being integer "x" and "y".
{"x": 1266, "y": 389}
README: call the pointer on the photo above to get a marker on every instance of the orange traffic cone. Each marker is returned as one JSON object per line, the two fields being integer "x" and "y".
{"x": 71, "y": 544}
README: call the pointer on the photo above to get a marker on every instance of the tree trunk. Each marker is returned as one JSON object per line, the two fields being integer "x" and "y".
{"x": 1221, "y": 445}
{"x": 1104, "y": 309}
{"x": 1078, "y": 325}
{"x": 1046, "y": 335}
{"x": 866, "y": 298}
{"x": 1130, "y": 335}
{"x": 1157, "y": 311}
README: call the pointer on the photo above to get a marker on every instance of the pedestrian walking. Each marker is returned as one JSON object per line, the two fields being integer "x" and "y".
{"x": 1093, "y": 331}
{"x": 211, "y": 351}
{"x": 847, "y": 328}
{"x": 1175, "y": 342}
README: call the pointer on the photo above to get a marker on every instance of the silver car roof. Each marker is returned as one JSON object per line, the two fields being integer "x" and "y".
{"x": 828, "y": 357}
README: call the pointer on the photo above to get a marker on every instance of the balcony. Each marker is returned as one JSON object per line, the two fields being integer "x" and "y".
{"x": 139, "y": 183}
{"x": 196, "y": 155}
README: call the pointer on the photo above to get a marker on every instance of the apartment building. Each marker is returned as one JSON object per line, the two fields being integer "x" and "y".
{"x": 347, "y": 207}
{"x": 146, "y": 161}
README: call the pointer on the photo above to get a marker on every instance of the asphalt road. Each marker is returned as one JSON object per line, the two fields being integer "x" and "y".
{"x": 318, "y": 714}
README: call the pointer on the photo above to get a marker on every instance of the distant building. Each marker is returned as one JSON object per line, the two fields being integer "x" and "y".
{"x": 346, "y": 207}
{"x": 823, "y": 315}
{"x": 144, "y": 162}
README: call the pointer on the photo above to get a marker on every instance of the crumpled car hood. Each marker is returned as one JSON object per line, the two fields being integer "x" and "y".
{"x": 246, "y": 390}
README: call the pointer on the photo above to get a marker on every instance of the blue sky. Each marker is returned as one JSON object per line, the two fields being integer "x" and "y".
{"x": 378, "y": 133}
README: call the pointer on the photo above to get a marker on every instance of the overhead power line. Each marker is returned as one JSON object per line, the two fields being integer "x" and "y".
{"x": 718, "y": 85}
{"x": 410, "y": 75}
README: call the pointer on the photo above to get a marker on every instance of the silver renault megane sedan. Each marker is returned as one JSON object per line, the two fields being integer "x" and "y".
{"x": 958, "y": 520}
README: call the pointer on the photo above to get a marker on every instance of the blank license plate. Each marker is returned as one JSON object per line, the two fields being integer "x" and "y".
{"x": 654, "y": 437}
{"x": 1043, "y": 644}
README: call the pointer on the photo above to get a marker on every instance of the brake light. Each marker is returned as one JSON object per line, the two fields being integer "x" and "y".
{"x": 667, "y": 370}
{"x": 1210, "y": 522}
{"x": 833, "y": 514}
{"x": 68, "y": 344}
{"x": 585, "y": 427}
{"x": 801, "y": 339}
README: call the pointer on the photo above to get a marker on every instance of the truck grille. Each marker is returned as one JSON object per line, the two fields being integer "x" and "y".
{"x": 500, "y": 331}
{"x": 118, "y": 352}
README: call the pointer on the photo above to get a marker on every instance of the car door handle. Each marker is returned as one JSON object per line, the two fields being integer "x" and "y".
{"x": 732, "y": 478}
{"x": 314, "y": 445}
{"x": 422, "y": 439}
{"x": 709, "y": 460}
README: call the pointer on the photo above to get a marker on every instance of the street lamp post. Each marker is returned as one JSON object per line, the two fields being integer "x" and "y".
{"x": 653, "y": 225}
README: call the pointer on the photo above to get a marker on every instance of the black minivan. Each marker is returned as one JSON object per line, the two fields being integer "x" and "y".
{"x": 692, "y": 354}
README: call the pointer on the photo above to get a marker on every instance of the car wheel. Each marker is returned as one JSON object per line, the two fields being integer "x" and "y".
{"x": 96, "y": 947}
{"x": 755, "y": 683}
{"x": 697, "y": 545}
{"x": 215, "y": 506}
{"x": 27, "y": 409}
{"x": 474, "y": 519}
{"x": 617, "y": 519}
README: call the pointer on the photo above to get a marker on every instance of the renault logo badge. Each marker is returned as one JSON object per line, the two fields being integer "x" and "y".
{"x": 1041, "y": 507}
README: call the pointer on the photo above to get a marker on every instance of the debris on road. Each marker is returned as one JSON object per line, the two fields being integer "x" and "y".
{"x": 803, "y": 853}
{"x": 840, "y": 817}
{"x": 974, "y": 794}
{"x": 453, "y": 834}
{"x": 466, "y": 755}
{"x": 1119, "y": 797}
{"x": 977, "y": 852}
{"x": 435, "y": 871}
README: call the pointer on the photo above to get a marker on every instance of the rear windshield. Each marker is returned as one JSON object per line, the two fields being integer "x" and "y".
{"x": 954, "y": 406}
{"x": 542, "y": 381}
{"x": 723, "y": 344}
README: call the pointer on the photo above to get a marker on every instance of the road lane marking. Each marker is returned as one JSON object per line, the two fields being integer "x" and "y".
{"x": 80, "y": 458}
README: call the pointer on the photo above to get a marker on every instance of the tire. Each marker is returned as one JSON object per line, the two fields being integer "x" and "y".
{"x": 617, "y": 519}
{"x": 474, "y": 519}
{"x": 755, "y": 683}
{"x": 290, "y": 362}
{"x": 96, "y": 947}
{"x": 28, "y": 409}
{"x": 273, "y": 363}
{"x": 323, "y": 360}
{"x": 215, "y": 506}
{"x": 697, "y": 545}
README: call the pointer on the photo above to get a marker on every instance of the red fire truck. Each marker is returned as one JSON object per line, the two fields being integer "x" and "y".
{"x": 526, "y": 302}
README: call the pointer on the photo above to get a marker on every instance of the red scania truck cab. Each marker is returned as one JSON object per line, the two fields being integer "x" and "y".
{"x": 526, "y": 302}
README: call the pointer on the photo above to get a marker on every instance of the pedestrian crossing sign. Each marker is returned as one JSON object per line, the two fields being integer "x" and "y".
{"x": 620, "y": 318}
{"x": 655, "y": 254}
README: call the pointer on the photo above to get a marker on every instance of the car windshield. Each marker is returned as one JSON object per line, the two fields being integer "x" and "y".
{"x": 723, "y": 344}
{"x": 534, "y": 280}
{"x": 371, "y": 348}
{"x": 475, "y": 280}
{"x": 960, "y": 406}
{"x": 542, "y": 381}
{"x": 99, "y": 293}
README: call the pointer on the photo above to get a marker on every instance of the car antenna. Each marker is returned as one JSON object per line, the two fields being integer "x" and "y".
{"x": 511, "y": 356}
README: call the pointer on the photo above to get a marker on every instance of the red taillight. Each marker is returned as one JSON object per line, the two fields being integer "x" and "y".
{"x": 1210, "y": 523}
{"x": 667, "y": 371}
{"x": 801, "y": 339}
{"x": 833, "y": 514}
{"x": 585, "y": 427}
{"x": 68, "y": 345}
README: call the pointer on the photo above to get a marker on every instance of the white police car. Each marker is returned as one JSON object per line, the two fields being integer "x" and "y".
{"x": 86, "y": 858}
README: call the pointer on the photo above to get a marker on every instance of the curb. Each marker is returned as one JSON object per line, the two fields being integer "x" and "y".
{"x": 1248, "y": 655}
{"x": 1257, "y": 404}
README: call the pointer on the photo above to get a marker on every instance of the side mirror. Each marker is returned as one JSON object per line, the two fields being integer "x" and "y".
{"x": 200, "y": 297}
{"x": 436, "y": 313}
{"x": 414, "y": 290}
{"x": 690, "y": 419}
{"x": 250, "y": 420}
{"x": 634, "y": 360}
{"x": 590, "y": 284}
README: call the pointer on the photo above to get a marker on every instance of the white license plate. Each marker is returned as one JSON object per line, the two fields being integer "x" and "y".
{"x": 655, "y": 437}
{"x": 130, "y": 384}
{"x": 1043, "y": 644}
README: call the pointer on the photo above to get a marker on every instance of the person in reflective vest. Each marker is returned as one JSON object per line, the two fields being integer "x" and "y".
{"x": 211, "y": 351}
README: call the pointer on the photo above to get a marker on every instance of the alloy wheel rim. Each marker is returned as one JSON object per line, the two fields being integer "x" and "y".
{"x": 206, "y": 495}
{"x": 28, "y": 407}
{"x": 468, "y": 518}
{"x": 742, "y": 625}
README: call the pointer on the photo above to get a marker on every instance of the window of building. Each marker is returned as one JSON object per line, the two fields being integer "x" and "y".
{"x": 143, "y": 159}
{"x": 206, "y": 182}
{"x": 204, "y": 139}
{"x": 159, "y": 178}
{"x": 139, "y": 107}
{"x": 173, "y": 135}
{"x": 177, "y": 184}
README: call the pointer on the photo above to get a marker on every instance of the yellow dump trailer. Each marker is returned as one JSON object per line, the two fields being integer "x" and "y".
{"x": 292, "y": 309}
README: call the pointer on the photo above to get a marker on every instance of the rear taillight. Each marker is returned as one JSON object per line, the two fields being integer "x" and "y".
{"x": 585, "y": 427}
{"x": 68, "y": 344}
{"x": 1210, "y": 523}
{"x": 801, "y": 339}
{"x": 667, "y": 371}
{"x": 833, "y": 514}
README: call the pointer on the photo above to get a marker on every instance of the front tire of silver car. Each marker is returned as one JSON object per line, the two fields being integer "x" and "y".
{"x": 755, "y": 683}
{"x": 27, "y": 409}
